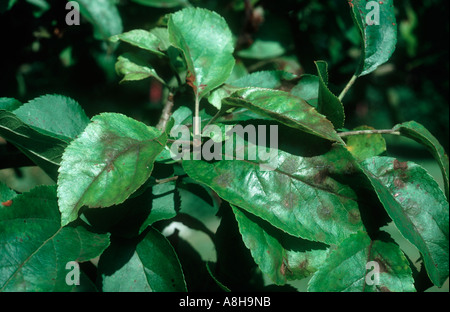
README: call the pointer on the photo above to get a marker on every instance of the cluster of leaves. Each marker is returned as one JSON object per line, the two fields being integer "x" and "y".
{"x": 318, "y": 214}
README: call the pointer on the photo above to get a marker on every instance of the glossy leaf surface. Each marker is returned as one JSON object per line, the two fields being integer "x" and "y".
{"x": 110, "y": 160}
{"x": 207, "y": 45}
{"x": 35, "y": 248}
{"x": 347, "y": 270}
{"x": 418, "y": 207}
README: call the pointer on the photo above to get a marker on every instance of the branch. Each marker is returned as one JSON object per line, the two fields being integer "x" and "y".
{"x": 366, "y": 132}
{"x": 166, "y": 113}
{"x": 347, "y": 88}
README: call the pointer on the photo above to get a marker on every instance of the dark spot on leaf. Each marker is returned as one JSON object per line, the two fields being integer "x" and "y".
{"x": 321, "y": 176}
{"x": 354, "y": 217}
{"x": 399, "y": 165}
{"x": 285, "y": 268}
{"x": 290, "y": 200}
{"x": 384, "y": 265}
{"x": 228, "y": 117}
{"x": 303, "y": 265}
{"x": 224, "y": 179}
{"x": 110, "y": 167}
{"x": 384, "y": 289}
{"x": 399, "y": 183}
{"x": 325, "y": 212}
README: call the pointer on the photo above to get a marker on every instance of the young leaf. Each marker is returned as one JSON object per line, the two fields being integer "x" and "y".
{"x": 44, "y": 150}
{"x": 418, "y": 208}
{"x": 345, "y": 268}
{"x": 378, "y": 28}
{"x": 55, "y": 115}
{"x": 328, "y": 103}
{"x": 269, "y": 79}
{"x": 207, "y": 45}
{"x": 300, "y": 197}
{"x": 103, "y": 15}
{"x": 133, "y": 71}
{"x": 147, "y": 265}
{"x": 285, "y": 108}
{"x": 35, "y": 248}
{"x": 420, "y": 134}
{"x": 108, "y": 162}
{"x": 143, "y": 39}
{"x": 279, "y": 255}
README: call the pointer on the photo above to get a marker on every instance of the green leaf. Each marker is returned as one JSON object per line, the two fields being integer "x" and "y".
{"x": 270, "y": 79}
{"x": 300, "y": 196}
{"x": 380, "y": 38}
{"x": 144, "y": 39}
{"x": 367, "y": 145}
{"x": 35, "y": 248}
{"x": 308, "y": 89}
{"x": 418, "y": 207}
{"x": 279, "y": 255}
{"x": 328, "y": 103}
{"x": 128, "y": 66}
{"x": 285, "y": 108}
{"x": 163, "y": 3}
{"x": 345, "y": 268}
{"x": 104, "y": 17}
{"x": 44, "y": 150}
{"x": 420, "y": 134}
{"x": 9, "y": 104}
{"x": 108, "y": 162}
{"x": 55, "y": 115}
{"x": 207, "y": 44}
{"x": 149, "y": 264}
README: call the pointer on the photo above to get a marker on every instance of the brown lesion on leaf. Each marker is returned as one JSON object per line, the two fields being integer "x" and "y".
{"x": 224, "y": 180}
{"x": 399, "y": 183}
{"x": 399, "y": 165}
{"x": 384, "y": 265}
{"x": 303, "y": 266}
{"x": 354, "y": 216}
{"x": 384, "y": 289}
{"x": 284, "y": 269}
{"x": 321, "y": 176}
{"x": 110, "y": 167}
{"x": 325, "y": 212}
{"x": 290, "y": 200}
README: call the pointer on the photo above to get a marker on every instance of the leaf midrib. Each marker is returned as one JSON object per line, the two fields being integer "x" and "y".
{"x": 136, "y": 145}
